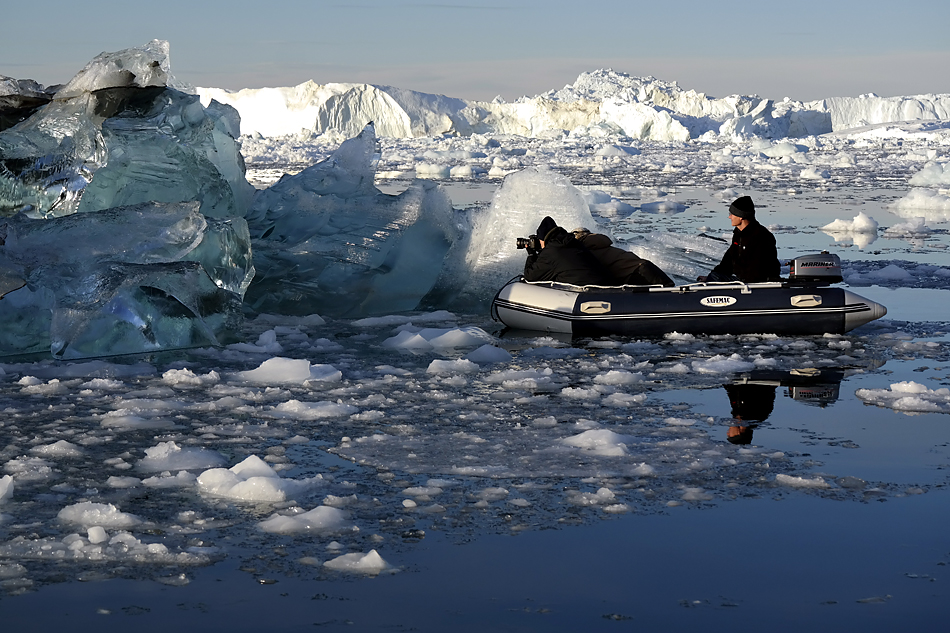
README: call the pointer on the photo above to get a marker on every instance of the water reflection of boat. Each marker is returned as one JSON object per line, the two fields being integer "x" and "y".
{"x": 809, "y": 385}
{"x": 752, "y": 395}
{"x": 804, "y": 304}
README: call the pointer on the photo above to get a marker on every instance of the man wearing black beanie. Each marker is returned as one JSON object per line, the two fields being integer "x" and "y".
{"x": 752, "y": 256}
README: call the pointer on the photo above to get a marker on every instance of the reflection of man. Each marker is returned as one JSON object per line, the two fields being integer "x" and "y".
{"x": 750, "y": 404}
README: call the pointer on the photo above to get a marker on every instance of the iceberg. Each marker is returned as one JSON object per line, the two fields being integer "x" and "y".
{"x": 642, "y": 108}
{"x": 327, "y": 241}
{"x": 121, "y": 215}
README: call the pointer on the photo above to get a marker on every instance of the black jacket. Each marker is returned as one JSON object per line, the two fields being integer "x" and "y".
{"x": 566, "y": 260}
{"x": 625, "y": 267}
{"x": 752, "y": 256}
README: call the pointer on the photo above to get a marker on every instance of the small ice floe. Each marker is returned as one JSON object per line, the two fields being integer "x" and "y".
{"x": 913, "y": 228}
{"x": 6, "y": 488}
{"x": 720, "y": 364}
{"x": 603, "y": 497}
{"x": 280, "y": 371}
{"x": 297, "y": 410}
{"x": 252, "y": 481}
{"x": 488, "y": 353}
{"x": 814, "y": 173}
{"x": 862, "y": 223}
{"x": 860, "y": 231}
{"x": 527, "y": 379}
{"x": 618, "y": 377}
{"x": 600, "y": 442}
{"x": 413, "y": 338}
{"x": 371, "y": 564}
{"x": 801, "y": 482}
{"x": 172, "y": 457}
{"x": 266, "y": 344}
{"x": 60, "y": 449}
{"x": 460, "y": 366}
{"x": 322, "y": 519}
{"x": 909, "y": 397}
{"x": 888, "y": 275}
{"x": 932, "y": 204}
{"x": 187, "y": 378}
{"x": 89, "y": 514}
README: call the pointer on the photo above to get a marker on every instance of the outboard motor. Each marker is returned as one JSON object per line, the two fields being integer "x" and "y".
{"x": 821, "y": 269}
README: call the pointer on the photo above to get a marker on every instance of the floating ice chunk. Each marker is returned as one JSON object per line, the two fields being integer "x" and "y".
{"x": 720, "y": 364}
{"x": 187, "y": 378}
{"x": 933, "y": 174}
{"x": 488, "y": 353}
{"x": 451, "y": 366}
{"x": 252, "y": 481}
{"x": 182, "y": 479}
{"x": 603, "y": 496}
{"x": 927, "y": 203}
{"x": 908, "y": 396}
{"x": 297, "y": 410}
{"x": 88, "y": 514}
{"x": 890, "y": 274}
{"x": 696, "y": 494}
{"x": 679, "y": 421}
{"x": 801, "y": 482}
{"x": 6, "y": 488}
{"x": 914, "y": 227}
{"x": 618, "y": 377}
{"x": 322, "y": 519}
{"x": 861, "y": 223}
{"x": 266, "y": 344}
{"x": 458, "y": 337}
{"x": 663, "y": 206}
{"x": 171, "y": 457}
{"x": 279, "y": 370}
{"x": 814, "y": 173}
{"x": 601, "y": 442}
{"x": 62, "y": 448}
{"x": 624, "y": 399}
{"x": 370, "y": 564}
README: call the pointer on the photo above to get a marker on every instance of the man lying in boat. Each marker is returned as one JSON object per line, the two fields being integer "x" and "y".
{"x": 625, "y": 267}
{"x": 563, "y": 258}
{"x": 752, "y": 257}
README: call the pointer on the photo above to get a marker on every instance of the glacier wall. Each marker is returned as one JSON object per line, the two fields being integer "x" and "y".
{"x": 599, "y": 102}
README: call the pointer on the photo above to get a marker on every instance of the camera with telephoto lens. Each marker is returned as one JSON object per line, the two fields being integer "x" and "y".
{"x": 531, "y": 243}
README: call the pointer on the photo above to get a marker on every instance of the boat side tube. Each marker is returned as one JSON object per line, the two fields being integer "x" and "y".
{"x": 702, "y": 308}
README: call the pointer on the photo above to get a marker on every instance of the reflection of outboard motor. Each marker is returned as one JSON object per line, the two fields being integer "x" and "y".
{"x": 813, "y": 386}
{"x": 819, "y": 270}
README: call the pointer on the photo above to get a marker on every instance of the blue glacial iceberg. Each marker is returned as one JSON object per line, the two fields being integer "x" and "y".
{"x": 328, "y": 241}
{"x": 121, "y": 208}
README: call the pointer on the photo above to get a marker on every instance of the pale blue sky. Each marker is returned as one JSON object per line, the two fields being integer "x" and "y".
{"x": 805, "y": 50}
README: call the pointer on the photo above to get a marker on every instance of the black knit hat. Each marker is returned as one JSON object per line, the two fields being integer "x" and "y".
{"x": 743, "y": 208}
{"x": 547, "y": 225}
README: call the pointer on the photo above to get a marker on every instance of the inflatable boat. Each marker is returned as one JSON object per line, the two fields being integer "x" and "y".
{"x": 805, "y": 303}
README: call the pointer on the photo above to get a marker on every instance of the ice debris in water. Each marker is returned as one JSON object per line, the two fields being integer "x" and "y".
{"x": 252, "y": 481}
{"x": 908, "y": 396}
{"x": 370, "y": 564}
